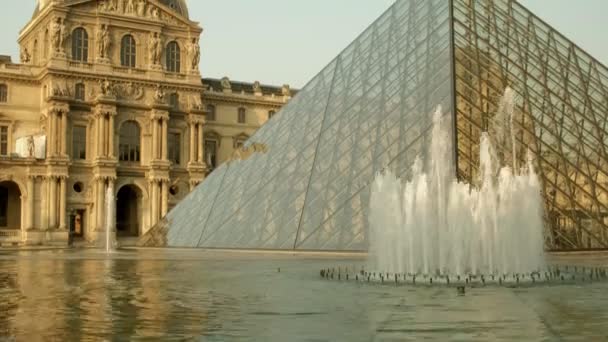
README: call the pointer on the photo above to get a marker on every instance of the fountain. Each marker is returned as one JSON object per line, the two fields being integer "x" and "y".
{"x": 109, "y": 241}
{"x": 433, "y": 225}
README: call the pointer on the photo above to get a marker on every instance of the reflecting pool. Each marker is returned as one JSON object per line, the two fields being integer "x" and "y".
{"x": 172, "y": 295}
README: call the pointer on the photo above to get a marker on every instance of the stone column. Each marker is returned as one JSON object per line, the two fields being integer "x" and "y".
{"x": 64, "y": 133}
{"x": 98, "y": 135}
{"x": 104, "y": 135}
{"x": 51, "y": 137}
{"x": 154, "y": 204}
{"x": 154, "y": 139}
{"x": 52, "y": 202}
{"x": 99, "y": 203}
{"x": 200, "y": 143}
{"x": 164, "y": 204}
{"x": 164, "y": 138}
{"x": 62, "y": 203}
{"x": 192, "y": 142}
{"x": 111, "y": 135}
{"x": 30, "y": 202}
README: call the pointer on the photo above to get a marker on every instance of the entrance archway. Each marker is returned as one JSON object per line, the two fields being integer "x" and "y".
{"x": 10, "y": 206}
{"x": 128, "y": 205}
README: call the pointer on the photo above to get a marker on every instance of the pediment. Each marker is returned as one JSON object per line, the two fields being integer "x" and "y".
{"x": 147, "y": 9}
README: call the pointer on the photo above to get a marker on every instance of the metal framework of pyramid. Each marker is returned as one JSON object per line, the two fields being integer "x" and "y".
{"x": 371, "y": 108}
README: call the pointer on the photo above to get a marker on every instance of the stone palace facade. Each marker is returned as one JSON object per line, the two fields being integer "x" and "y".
{"x": 108, "y": 98}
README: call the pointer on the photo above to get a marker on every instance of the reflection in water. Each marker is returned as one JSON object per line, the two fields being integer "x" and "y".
{"x": 170, "y": 295}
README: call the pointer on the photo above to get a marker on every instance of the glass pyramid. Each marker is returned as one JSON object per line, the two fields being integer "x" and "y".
{"x": 371, "y": 108}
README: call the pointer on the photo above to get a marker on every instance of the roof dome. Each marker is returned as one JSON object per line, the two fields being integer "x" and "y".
{"x": 178, "y": 6}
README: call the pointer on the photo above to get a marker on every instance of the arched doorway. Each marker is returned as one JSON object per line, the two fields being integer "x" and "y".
{"x": 10, "y": 206}
{"x": 128, "y": 204}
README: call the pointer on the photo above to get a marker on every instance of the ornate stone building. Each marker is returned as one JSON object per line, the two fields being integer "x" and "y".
{"x": 108, "y": 98}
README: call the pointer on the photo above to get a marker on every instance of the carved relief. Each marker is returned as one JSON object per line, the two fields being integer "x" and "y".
{"x": 129, "y": 91}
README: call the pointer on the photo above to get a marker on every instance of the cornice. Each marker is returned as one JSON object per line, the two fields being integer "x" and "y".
{"x": 91, "y": 76}
{"x": 244, "y": 99}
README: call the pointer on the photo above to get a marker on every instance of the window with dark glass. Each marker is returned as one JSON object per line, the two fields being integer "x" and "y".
{"x": 79, "y": 92}
{"x": 3, "y": 93}
{"x": 129, "y": 145}
{"x": 242, "y": 116}
{"x": 174, "y": 100}
{"x": 79, "y": 143}
{"x": 173, "y": 148}
{"x": 210, "y": 115}
{"x": 4, "y": 140}
{"x": 128, "y": 51}
{"x": 173, "y": 57}
{"x": 271, "y": 114}
{"x": 80, "y": 45}
{"x": 211, "y": 153}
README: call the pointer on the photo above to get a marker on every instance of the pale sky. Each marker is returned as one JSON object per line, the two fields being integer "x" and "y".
{"x": 289, "y": 41}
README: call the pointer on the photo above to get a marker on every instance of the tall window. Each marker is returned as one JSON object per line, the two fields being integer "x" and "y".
{"x": 211, "y": 153}
{"x": 174, "y": 100}
{"x": 79, "y": 92}
{"x": 271, "y": 114}
{"x": 128, "y": 51}
{"x": 79, "y": 143}
{"x": 4, "y": 140}
{"x": 129, "y": 146}
{"x": 242, "y": 116}
{"x": 173, "y": 148}
{"x": 173, "y": 57}
{"x": 80, "y": 45}
{"x": 3, "y": 93}
{"x": 210, "y": 115}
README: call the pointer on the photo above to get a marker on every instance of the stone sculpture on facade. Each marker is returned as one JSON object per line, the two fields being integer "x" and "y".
{"x": 130, "y": 7}
{"x": 155, "y": 49}
{"x": 141, "y": 8}
{"x": 286, "y": 90}
{"x": 25, "y": 55}
{"x": 195, "y": 54}
{"x": 31, "y": 147}
{"x": 106, "y": 88}
{"x": 226, "y": 83}
{"x": 159, "y": 95}
{"x": 58, "y": 34}
{"x": 103, "y": 41}
{"x": 257, "y": 88}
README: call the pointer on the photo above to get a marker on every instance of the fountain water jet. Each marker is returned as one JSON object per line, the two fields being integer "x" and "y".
{"x": 433, "y": 224}
{"x": 109, "y": 241}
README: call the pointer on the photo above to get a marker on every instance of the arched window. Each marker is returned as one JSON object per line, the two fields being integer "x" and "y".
{"x": 79, "y": 92}
{"x": 128, "y": 51}
{"x": 242, "y": 116}
{"x": 271, "y": 114}
{"x": 129, "y": 146}
{"x": 3, "y": 93}
{"x": 80, "y": 45}
{"x": 173, "y": 57}
{"x": 210, "y": 115}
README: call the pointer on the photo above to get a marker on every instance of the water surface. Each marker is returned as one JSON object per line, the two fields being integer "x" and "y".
{"x": 170, "y": 295}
